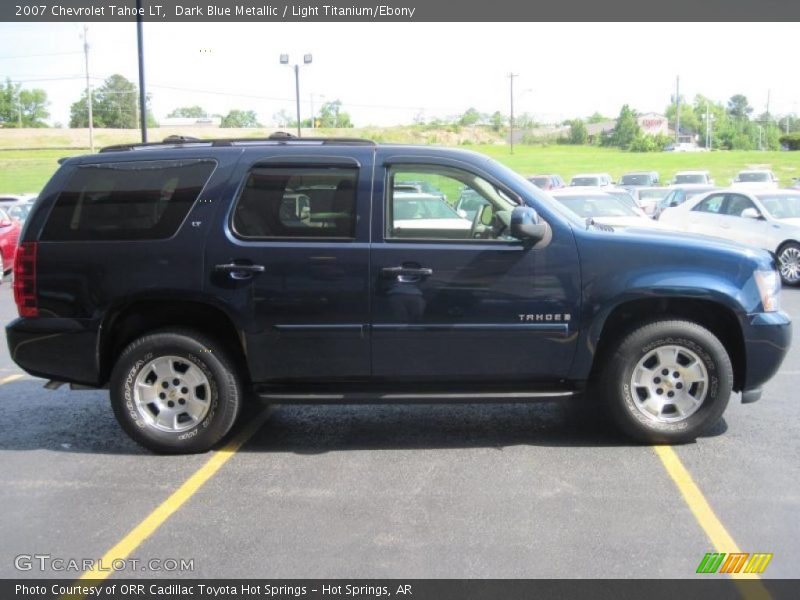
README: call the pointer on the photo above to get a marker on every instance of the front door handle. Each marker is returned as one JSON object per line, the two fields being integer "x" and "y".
{"x": 406, "y": 274}
{"x": 239, "y": 271}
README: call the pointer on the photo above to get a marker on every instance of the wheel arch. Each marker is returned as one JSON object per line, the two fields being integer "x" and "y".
{"x": 132, "y": 320}
{"x": 719, "y": 318}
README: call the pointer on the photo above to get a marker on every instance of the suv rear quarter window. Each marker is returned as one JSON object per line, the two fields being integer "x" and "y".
{"x": 134, "y": 200}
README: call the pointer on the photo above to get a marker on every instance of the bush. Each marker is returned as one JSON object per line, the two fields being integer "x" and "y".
{"x": 791, "y": 140}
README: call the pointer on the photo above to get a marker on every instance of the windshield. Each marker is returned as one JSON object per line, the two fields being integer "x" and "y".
{"x": 653, "y": 194}
{"x": 636, "y": 179}
{"x": 585, "y": 181}
{"x": 599, "y": 205}
{"x": 541, "y": 182}
{"x": 753, "y": 176}
{"x": 422, "y": 207}
{"x": 690, "y": 178}
{"x": 782, "y": 206}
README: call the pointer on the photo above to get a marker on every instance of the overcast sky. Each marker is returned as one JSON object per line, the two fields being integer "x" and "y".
{"x": 387, "y": 73}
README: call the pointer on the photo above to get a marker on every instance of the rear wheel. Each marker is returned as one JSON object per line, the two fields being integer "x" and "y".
{"x": 176, "y": 391}
{"x": 789, "y": 263}
{"x": 668, "y": 382}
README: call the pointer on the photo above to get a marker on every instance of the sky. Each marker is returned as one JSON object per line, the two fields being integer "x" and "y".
{"x": 389, "y": 73}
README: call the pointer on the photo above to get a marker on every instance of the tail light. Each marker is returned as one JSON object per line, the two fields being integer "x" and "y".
{"x": 25, "y": 280}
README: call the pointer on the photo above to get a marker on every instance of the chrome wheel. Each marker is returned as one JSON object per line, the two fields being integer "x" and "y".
{"x": 172, "y": 394}
{"x": 669, "y": 384}
{"x": 790, "y": 264}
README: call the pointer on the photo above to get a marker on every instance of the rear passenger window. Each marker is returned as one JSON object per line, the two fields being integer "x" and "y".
{"x": 297, "y": 202}
{"x": 137, "y": 200}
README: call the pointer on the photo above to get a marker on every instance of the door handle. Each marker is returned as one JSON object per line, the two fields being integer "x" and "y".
{"x": 407, "y": 274}
{"x": 238, "y": 271}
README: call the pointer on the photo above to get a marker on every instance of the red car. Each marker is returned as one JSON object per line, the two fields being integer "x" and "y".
{"x": 9, "y": 236}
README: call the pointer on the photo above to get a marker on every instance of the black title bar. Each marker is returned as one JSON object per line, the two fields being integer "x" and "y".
{"x": 265, "y": 11}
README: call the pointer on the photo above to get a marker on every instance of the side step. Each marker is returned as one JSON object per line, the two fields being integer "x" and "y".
{"x": 365, "y": 397}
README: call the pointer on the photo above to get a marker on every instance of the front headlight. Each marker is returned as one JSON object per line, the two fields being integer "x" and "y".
{"x": 769, "y": 287}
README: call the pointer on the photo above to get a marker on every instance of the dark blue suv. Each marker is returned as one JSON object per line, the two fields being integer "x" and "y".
{"x": 188, "y": 275}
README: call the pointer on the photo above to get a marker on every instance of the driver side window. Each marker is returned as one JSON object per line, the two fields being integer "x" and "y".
{"x": 430, "y": 202}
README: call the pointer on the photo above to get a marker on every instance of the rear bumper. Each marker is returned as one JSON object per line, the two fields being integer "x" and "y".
{"x": 62, "y": 349}
{"x": 767, "y": 337}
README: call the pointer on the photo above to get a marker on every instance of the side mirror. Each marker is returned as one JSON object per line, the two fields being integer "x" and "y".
{"x": 751, "y": 213}
{"x": 526, "y": 225}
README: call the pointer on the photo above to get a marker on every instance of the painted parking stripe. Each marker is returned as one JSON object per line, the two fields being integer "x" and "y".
{"x": 10, "y": 378}
{"x": 708, "y": 520}
{"x": 155, "y": 519}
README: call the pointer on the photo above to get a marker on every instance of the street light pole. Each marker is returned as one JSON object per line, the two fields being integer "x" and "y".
{"x": 306, "y": 61}
{"x": 511, "y": 116}
{"x": 142, "y": 95}
{"x": 88, "y": 86}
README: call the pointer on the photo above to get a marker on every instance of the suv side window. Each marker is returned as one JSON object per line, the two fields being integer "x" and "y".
{"x": 297, "y": 202}
{"x": 712, "y": 204}
{"x": 736, "y": 204}
{"x": 458, "y": 205}
{"x": 135, "y": 200}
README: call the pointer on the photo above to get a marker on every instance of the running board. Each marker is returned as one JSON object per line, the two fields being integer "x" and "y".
{"x": 421, "y": 397}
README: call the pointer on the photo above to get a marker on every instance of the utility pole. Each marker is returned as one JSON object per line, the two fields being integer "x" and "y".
{"x": 19, "y": 111}
{"x": 678, "y": 110}
{"x": 768, "y": 94}
{"x": 511, "y": 117}
{"x": 313, "y": 118}
{"x": 142, "y": 95}
{"x": 88, "y": 86}
{"x": 708, "y": 128}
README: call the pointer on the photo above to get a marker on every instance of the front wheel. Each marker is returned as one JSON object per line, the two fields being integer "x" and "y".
{"x": 176, "y": 391}
{"x": 789, "y": 263}
{"x": 668, "y": 382}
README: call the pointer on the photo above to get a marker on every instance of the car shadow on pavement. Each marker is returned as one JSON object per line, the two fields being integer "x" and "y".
{"x": 34, "y": 418}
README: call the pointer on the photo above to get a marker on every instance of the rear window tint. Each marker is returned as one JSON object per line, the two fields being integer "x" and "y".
{"x": 137, "y": 200}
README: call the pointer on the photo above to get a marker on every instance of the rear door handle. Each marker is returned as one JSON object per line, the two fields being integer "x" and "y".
{"x": 239, "y": 271}
{"x": 406, "y": 274}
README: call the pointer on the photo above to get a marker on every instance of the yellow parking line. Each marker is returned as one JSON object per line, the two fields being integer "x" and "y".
{"x": 10, "y": 378}
{"x": 155, "y": 519}
{"x": 708, "y": 520}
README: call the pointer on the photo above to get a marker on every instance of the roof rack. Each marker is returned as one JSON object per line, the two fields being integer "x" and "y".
{"x": 277, "y": 138}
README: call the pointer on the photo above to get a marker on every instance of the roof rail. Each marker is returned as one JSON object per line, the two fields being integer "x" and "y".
{"x": 277, "y": 138}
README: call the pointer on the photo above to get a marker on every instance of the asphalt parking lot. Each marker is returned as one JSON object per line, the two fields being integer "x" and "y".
{"x": 473, "y": 491}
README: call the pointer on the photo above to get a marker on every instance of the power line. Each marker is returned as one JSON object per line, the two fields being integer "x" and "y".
{"x": 38, "y": 55}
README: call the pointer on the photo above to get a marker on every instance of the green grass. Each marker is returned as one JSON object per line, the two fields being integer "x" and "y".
{"x": 28, "y": 170}
{"x": 569, "y": 160}
{"x": 24, "y": 171}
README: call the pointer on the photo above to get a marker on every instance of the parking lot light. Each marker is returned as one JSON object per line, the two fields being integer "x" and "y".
{"x": 306, "y": 61}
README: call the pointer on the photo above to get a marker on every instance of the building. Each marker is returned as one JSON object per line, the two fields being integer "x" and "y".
{"x": 653, "y": 124}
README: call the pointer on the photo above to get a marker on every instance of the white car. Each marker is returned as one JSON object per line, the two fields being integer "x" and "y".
{"x": 415, "y": 211}
{"x": 591, "y": 180}
{"x": 603, "y": 208}
{"x": 756, "y": 179}
{"x": 766, "y": 219}
{"x": 692, "y": 177}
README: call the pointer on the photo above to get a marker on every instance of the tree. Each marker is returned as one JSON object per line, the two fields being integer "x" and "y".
{"x": 27, "y": 108}
{"x": 739, "y": 107}
{"x": 240, "y": 118}
{"x": 471, "y": 117}
{"x": 331, "y": 115}
{"x": 626, "y": 129}
{"x": 597, "y": 118}
{"x": 578, "y": 134}
{"x": 690, "y": 123}
{"x": 497, "y": 121}
{"x": 115, "y": 105}
{"x": 188, "y": 112}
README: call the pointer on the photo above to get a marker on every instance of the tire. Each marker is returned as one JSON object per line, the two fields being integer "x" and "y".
{"x": 186, "y": 370}
{"x": 659, "y": 408}
{"x": 789, "y": 263}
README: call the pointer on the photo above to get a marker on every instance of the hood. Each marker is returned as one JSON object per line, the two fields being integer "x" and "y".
{"x": 639, "y": 222}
